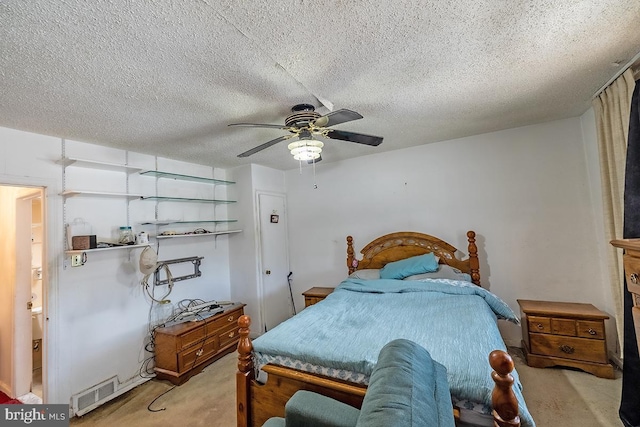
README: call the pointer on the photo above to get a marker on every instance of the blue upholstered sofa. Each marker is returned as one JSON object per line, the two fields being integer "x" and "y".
{"x": 407, "y": 388}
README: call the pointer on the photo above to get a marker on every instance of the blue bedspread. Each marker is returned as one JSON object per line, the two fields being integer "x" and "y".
{"x": 454, "y": 320}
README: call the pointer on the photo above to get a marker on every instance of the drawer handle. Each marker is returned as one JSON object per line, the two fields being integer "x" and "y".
{"x": 199, "y": 352}
{"x": 567, "y": 349}
{"x": 232, "y": 334}
{"x": 540, "y": 326}
{"x": 592, "y": 332}
{"x": 634, "y": 278}
{"x": 230, "y": 319}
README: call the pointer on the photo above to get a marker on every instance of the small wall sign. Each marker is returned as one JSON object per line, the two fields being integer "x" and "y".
{"x": 275, "y": 219}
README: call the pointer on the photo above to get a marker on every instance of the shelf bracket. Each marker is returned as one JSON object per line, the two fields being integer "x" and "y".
{"x": 195, "y": 260}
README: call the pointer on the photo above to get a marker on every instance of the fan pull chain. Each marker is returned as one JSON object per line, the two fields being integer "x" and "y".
{"x": 315, "y": 185}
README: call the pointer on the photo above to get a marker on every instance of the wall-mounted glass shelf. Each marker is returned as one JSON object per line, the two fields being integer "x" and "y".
{"x": 79, "y": 251}
{"x": 215, "y": 233}
{"x": 95, "y": 164}
{"x": 160, "y": 174}
{"x": 72, "y": 193}
{"x": 185, "y": 199}
{"x": 204, "y": 221}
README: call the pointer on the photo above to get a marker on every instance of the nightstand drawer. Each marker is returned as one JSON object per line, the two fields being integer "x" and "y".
{"x": 590, "y": 329}
{"x": 539, "y": 324}
{"x": 563, "y": 327}
{"x": 569, "y": 347}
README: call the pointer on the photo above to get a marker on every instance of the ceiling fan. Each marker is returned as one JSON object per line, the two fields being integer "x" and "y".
{"x": 305, "y": 124}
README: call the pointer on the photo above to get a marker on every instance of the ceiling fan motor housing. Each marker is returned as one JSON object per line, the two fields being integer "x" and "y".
{"x": 302, "y": 115}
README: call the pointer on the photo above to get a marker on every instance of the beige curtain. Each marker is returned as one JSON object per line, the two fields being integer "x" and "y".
{"x": 612, "y": 108}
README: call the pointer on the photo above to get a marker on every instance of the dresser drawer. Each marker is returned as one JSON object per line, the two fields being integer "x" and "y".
{"x": 539, "y": 324}
{"x": 197, "y": 354}
{"x": 588, "y": 350}
{"x": 228, "y": 319}
{"x": 632, "y": 273}
{"x": 190, "y": 338}
{"x": 228, "y": 335}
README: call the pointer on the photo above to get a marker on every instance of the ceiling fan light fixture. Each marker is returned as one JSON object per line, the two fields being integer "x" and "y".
{"x": 305, "y": 123}
{"x": 304, "y": 150}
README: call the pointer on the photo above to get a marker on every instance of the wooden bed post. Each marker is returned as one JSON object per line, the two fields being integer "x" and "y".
{"x": 473, "y": 257}
{"x": 503, "y": 400}
{"x": 350, "y": 256}
{"x": 245, "y": 373}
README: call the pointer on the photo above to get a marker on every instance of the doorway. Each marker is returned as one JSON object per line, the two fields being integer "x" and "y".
{"x": 23, "y": 289}
{"x": 276, "y": 299}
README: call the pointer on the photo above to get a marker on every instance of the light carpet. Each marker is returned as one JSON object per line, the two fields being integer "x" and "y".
{"x": 554, "y": 396}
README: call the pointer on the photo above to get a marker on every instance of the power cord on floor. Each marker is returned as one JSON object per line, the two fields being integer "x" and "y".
{"x": 197, "y": 354}
{"x": 158, "y": 397}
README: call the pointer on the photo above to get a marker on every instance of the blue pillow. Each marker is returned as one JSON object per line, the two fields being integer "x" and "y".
{"x": 408, "y": 267}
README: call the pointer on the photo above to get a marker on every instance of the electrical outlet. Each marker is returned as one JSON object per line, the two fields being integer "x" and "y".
{"x": 76, "y": 260}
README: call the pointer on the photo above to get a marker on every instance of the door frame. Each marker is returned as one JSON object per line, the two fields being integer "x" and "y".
{"x": 260, "y": 265}
{"x": 51, "y": 210}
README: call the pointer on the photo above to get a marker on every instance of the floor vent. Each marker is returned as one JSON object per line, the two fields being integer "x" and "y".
{"x": 89, "y": 399}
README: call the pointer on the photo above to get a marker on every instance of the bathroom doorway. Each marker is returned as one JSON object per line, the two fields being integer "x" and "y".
{"x": 23, "y": 278}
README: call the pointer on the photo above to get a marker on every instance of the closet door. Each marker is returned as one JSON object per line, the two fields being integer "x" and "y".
{"x": 276, "y": 304}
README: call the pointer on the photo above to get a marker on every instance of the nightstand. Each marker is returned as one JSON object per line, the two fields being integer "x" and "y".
{"x": 316, "y": 294}
{"x": 565, "y": 334}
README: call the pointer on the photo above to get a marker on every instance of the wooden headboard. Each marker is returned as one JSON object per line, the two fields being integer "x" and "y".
{"x": 405, "y": 244}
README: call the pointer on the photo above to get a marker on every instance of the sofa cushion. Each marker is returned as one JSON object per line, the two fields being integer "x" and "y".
{"x": 306, "y": 409}
{"x": 274, "y": 422}
{"x": 407, "y": 388}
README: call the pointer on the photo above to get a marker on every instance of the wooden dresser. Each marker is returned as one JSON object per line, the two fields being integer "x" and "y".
{"x": 565, "y": 334}
{"x": 631, "y": 261}
{"x": 183, "y": 350}
{"x": 316, "y": 294}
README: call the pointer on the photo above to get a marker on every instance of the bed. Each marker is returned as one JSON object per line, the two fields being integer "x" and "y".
{"x": 406, "y": 285}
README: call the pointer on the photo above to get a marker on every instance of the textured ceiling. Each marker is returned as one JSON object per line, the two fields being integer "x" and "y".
{"x": 166, "y": 77}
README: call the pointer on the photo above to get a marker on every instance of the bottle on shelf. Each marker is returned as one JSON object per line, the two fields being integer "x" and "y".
{"x": 126, "y": 236}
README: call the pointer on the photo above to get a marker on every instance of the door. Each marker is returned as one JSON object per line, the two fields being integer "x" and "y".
{"x": 22, "y": 363}
{"x": 276, "y": 299}
{"x": 16, "y": 282}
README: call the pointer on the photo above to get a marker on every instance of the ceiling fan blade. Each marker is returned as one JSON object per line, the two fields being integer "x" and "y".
{"x": 263, "y": 146}
{"x": 336, "y": 117}
{"x": 360, "y": 138}
{"x": 259, "y": 125}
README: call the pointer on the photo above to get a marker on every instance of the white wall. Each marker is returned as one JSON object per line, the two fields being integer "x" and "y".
{"x": 526, "y": 192}
{"x": 98, "y": 312}
{"x": 244, "y": 251}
